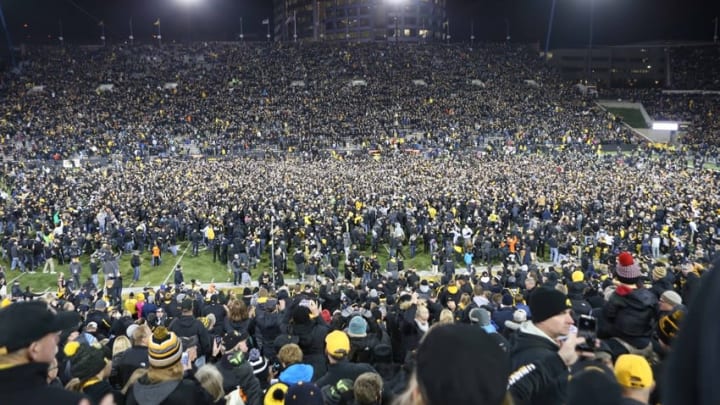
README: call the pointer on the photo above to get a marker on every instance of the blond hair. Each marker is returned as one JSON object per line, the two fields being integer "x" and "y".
{"x": 464, "y": 300}
{"x": 120, "y": 344}
{"x": 210, "y": 378}
{"x": 141, "y": 334}
{"x": 422, "y": 311}
{"x": 446, "y": 316}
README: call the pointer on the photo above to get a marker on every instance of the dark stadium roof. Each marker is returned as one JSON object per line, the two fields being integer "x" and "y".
{"x": 615, "y": 21}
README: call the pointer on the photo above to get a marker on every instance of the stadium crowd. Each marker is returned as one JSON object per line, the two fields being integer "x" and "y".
{"x": 227, "y": 99}
{"x": 695, "y": 67}
{"x": 505, "y": 337}
{"x": 628, "y": 240}
{"x": 692, "y": 99}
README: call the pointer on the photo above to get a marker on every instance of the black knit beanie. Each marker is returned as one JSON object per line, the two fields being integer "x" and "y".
{"x": 475, "y": 368}
{"x": 85, "y": 361}
{"x": 546, "y": 303}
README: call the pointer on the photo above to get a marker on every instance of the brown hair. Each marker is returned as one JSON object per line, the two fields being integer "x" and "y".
{"x": 290, "y": 354}
{"x": 478, "y": 290}
{"x": 237, "y": 311}
{"x": 171, "y": 373}
{"x": 368, "y": 388}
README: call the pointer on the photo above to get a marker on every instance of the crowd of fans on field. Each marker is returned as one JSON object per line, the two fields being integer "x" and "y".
{"x": 574, "y": 263}
{"x": 232, "y": 98}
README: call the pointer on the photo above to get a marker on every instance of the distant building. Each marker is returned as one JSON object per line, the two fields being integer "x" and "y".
{"x": 360, "y": 20}
{"x": 615, "y": 66}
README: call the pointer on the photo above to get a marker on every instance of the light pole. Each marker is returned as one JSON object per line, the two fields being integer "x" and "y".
{"x": 61, "y": 37}
{"x": 549, "y": 31}
{"x": 590, "y": 41}
{"x": 102, "y": 32}
{"x": 397, "y": 31}
{"x": 398, "y": 5}
{"x": 472, "y": 34}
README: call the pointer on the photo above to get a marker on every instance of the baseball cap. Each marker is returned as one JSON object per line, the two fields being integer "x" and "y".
{"x": 633, "y": 371}
{"x": 187, "y": 304}
{"x": 337, "y": 343}
{"x": 25, "y": 322}
{"x": 231, "y": 339}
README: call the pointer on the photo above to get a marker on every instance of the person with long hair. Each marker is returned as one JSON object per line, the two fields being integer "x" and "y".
{"x": 211, "y": 379}
{"x": 119, "y": 348}
{"x": 136, "y": 357}
{"x": 164, "y": 384}
{"x": 238, "y": 317}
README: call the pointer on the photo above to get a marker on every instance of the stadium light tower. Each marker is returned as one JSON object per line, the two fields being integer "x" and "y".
{"x": 590, "y": 41}
{"x": 549, "y": 29}
{"x": 397, "y": 4}
{"x": 7, "y": 37}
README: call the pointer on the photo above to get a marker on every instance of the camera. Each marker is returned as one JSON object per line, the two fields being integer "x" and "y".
{"x": 587, "y": 328}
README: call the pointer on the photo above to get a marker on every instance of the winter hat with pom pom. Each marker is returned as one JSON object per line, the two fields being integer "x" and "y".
{"x": 275, "y": 395}
{"x": 85, "y": 361}
{"x": 627, "y": 271}
{"x": 164, "y": 349}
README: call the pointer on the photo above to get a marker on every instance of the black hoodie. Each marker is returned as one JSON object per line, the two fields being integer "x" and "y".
{"x": 528, "y": 347}
{"x": 187, "y": 326}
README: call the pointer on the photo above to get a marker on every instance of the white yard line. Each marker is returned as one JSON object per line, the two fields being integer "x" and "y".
{"x": 172, "y": 270}
{"x": 11, "y": 281}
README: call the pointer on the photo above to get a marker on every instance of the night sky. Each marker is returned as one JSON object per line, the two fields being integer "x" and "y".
{"x": 616, "y": 21}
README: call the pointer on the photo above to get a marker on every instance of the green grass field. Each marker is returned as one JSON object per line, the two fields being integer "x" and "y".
{"x": 199, "y": 268}
{"x": 632, "y": 116}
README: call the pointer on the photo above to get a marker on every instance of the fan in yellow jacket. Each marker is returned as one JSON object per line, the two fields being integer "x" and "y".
{"x": 130, "y": 305}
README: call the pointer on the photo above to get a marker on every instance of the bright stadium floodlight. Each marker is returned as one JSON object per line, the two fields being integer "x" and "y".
{"x": 188, "y": 2}
{"x": 665, "y": 126}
